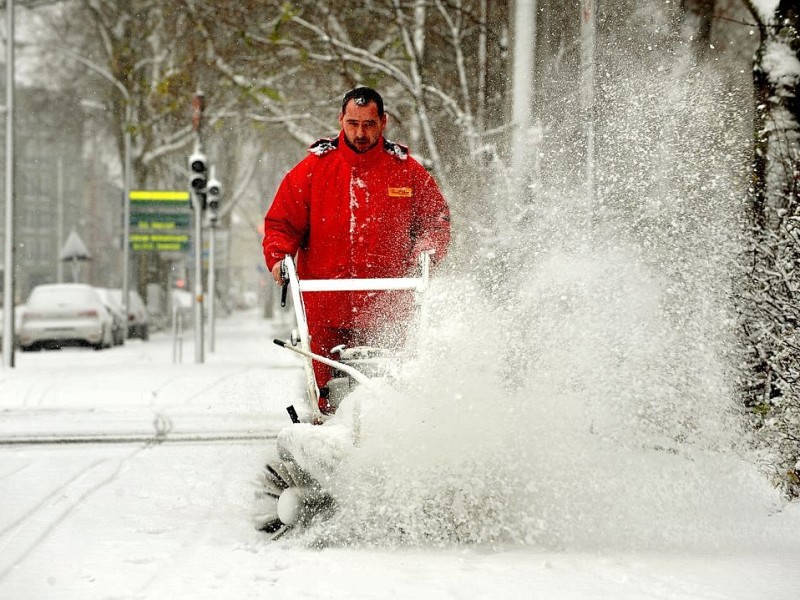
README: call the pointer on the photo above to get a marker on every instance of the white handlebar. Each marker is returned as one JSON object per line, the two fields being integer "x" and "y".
{"x": 419, "y": 284}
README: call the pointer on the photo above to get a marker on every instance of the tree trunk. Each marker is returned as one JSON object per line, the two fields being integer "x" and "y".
{"x": 697, "y": 20}
{"x": 776, "y": 78}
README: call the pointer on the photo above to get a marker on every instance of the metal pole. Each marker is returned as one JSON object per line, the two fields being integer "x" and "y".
{"x": 59, "y": 219}
{"x": 198, "y": 108}
{"x": 177, "y": 333}
{"x": 198, "y": 280}
{"x": 588, "y": 33}
{"x": 212, "y": 282}
{"x": 126, "y": 215}
{"x": 8, "y": 273}
{"x": 522, "y": 91}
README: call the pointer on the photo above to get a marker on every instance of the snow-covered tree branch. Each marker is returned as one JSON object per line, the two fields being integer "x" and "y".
{"x": 770, "y": 308}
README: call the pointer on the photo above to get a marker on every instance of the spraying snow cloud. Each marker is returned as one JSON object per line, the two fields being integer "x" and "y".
{"x": 587, "y": 399}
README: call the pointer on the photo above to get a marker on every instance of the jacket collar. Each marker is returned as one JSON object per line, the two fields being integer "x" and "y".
{"x": 360, "y": 160}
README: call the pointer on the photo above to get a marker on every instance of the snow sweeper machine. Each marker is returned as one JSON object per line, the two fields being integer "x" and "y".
{"x": 294, "y": 487}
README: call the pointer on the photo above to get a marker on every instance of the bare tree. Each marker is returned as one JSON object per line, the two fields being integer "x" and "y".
{"x": 433, "y": 60}
{"x": 771, "y": 308}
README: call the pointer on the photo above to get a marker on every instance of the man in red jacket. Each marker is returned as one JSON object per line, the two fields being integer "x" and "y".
{"x": 358, "y": 206}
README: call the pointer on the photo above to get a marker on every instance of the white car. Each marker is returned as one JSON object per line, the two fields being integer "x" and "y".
{"x": 138, "y": 319}
{"x": 117, "y": 313}
{"x": 65, "y": 314}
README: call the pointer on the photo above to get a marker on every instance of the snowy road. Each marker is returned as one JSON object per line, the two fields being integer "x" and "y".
{"x": 123, "y": 475}
{"x": 105, "y": 457}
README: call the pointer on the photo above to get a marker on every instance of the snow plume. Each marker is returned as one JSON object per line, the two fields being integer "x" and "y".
{"x": 580, "y": 417}
{"x": 586, "y": 402}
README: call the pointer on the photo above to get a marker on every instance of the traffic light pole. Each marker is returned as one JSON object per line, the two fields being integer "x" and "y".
{"x": 206, "y": 195}
{"x": 198, "y": 278}
{"x": 212, "y": 282}
{"x": 214, "y": 191}
{"x": 197, "y": 184}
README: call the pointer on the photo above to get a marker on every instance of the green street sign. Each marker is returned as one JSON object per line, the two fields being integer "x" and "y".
{"x": 160, "y": 221}
{"x": 161, "y": 242}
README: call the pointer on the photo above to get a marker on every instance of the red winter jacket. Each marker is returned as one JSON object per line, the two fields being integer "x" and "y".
{"x": 350, "y": 215}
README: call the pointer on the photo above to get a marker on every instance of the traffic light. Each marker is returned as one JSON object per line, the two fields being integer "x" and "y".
{"x": 214, "y": 191}
{"x": 198, "y": 172}
{"x": 198, "y": 178}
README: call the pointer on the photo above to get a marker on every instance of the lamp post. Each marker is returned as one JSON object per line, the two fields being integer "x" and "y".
{"x": 8, "y": 273}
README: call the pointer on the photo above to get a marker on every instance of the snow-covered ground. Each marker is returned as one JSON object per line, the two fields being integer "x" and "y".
{"x": 153, "y": 497}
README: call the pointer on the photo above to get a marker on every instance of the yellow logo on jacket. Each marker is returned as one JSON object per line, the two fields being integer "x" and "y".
{"x": 400, "y": 192}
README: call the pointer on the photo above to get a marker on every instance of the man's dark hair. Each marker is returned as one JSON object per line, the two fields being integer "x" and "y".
{"x": 363, "y": 96}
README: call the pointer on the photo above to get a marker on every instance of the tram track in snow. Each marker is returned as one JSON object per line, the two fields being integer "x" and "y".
{"x": 163, "y": 432}
{"x": 26, "y": 533}
{"x": 135, "y": 438}
{"x": 21, "y": 537}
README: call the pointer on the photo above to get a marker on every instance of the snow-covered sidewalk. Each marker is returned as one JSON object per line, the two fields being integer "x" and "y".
{"x": 140, "y": 389}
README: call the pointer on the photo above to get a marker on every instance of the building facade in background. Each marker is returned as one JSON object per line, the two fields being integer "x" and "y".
{"x": 61, "y": 186}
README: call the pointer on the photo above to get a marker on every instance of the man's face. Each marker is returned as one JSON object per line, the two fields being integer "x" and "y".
{"x": 362, "y": 126}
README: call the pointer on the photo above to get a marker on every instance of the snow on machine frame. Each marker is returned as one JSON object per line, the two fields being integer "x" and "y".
{"x": 290, "y": 495}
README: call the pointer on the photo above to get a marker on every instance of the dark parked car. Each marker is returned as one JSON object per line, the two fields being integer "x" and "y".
{"x": 138, "y": 319}
{"x": 117, "y": 313}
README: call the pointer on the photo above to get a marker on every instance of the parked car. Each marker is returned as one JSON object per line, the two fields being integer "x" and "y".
{"x": 117, "y": 314}
{"x": 65, "y": 314}
{"x": 138, "y": 320}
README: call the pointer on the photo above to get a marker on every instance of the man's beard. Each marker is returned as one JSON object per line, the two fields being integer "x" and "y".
{"x": 358, "y": 150}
